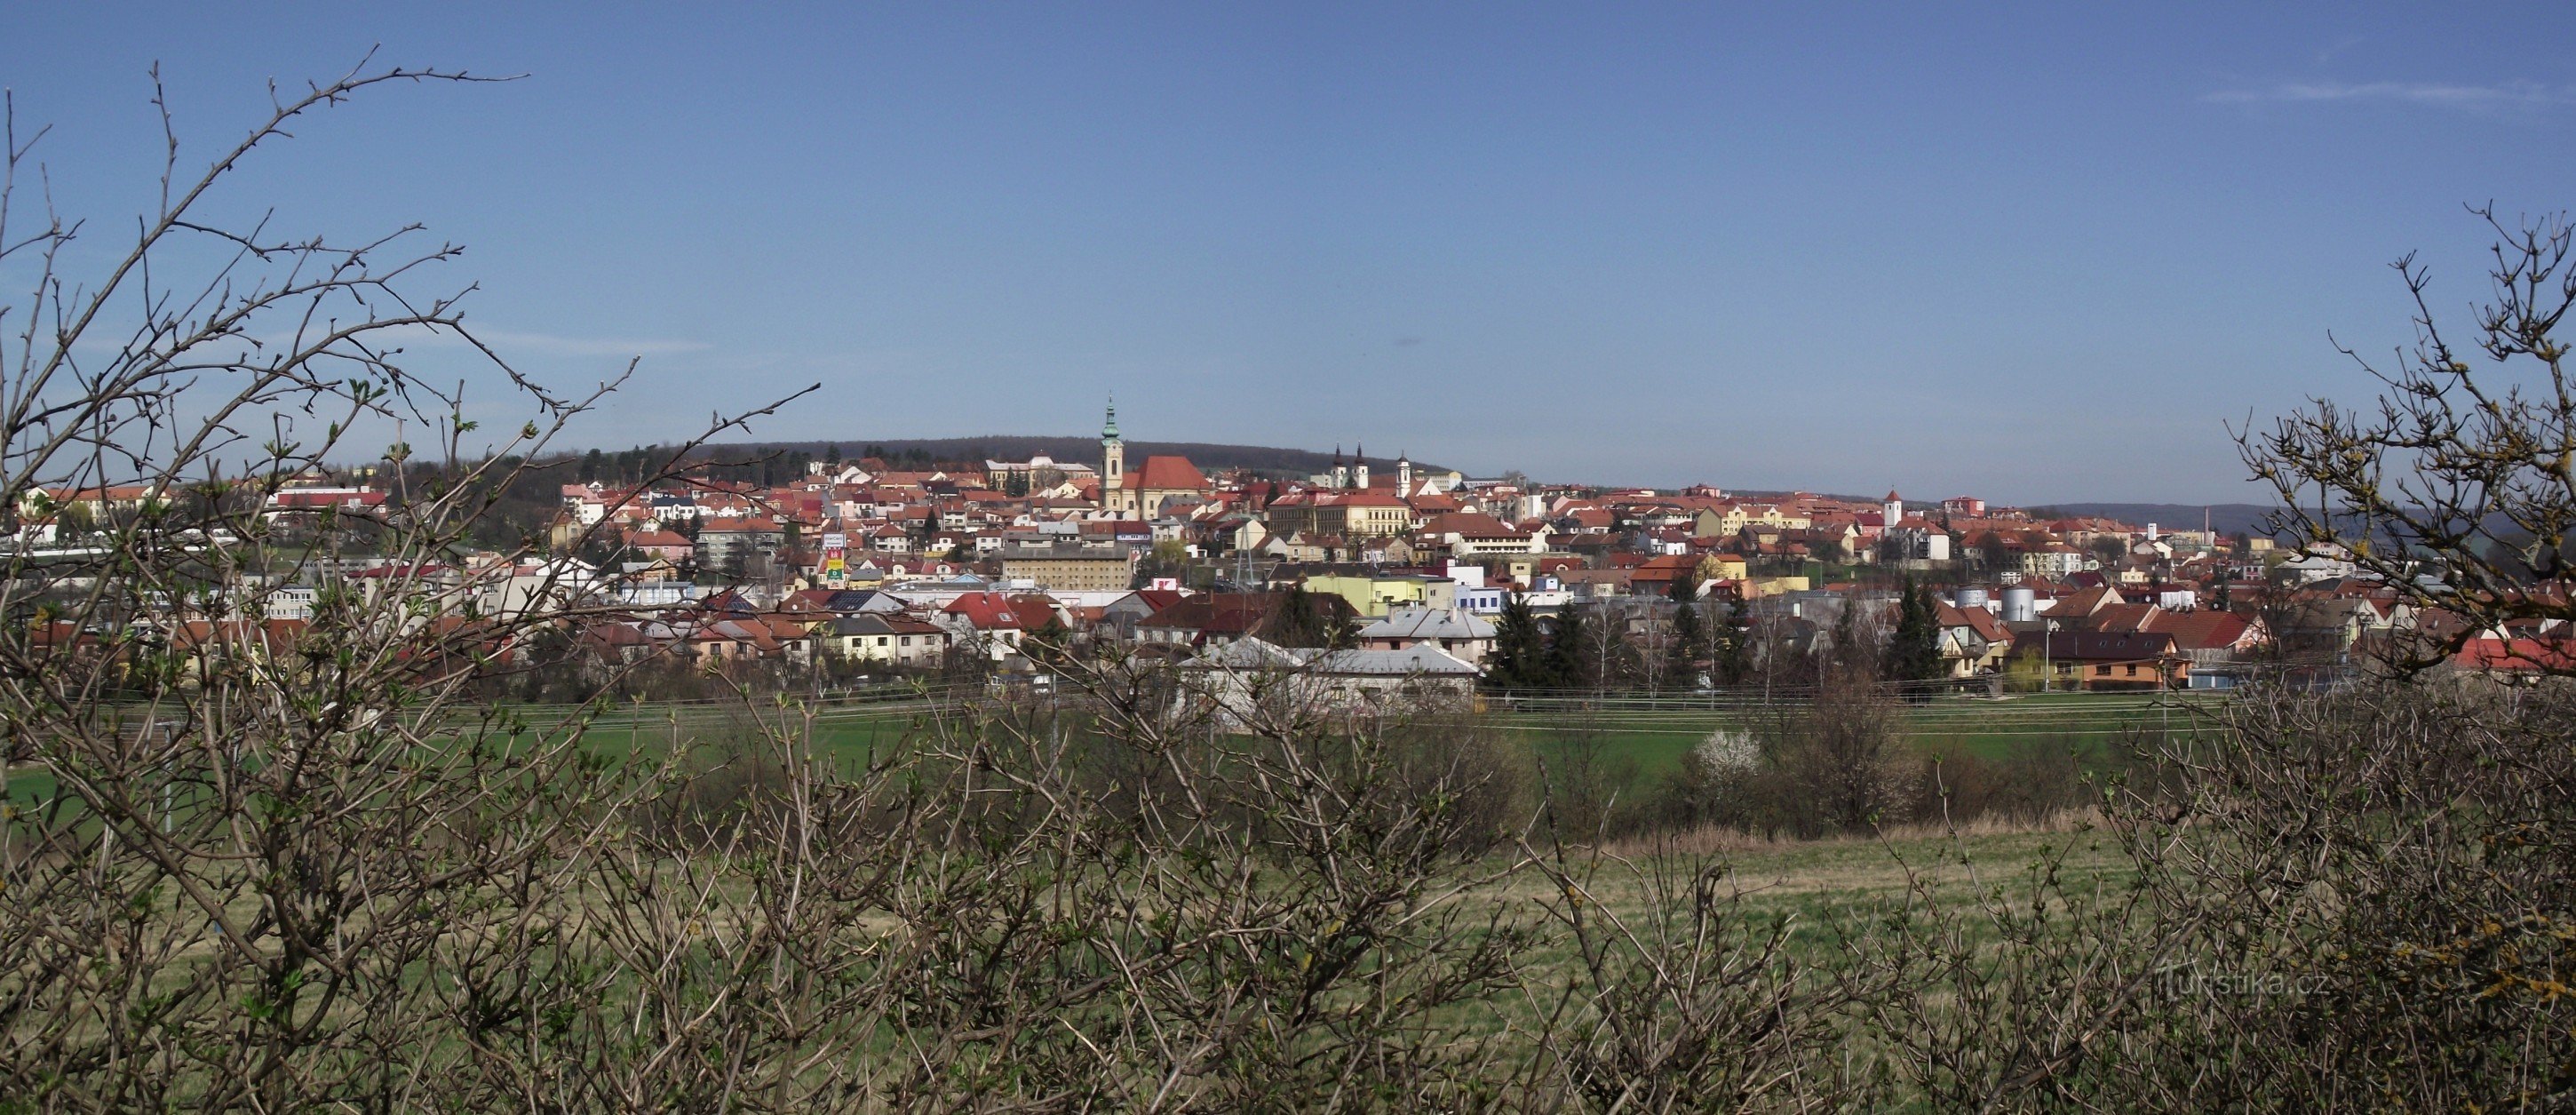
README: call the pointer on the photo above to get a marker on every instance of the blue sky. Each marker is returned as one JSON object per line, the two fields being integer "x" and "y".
{"x": 2034, "y": 253}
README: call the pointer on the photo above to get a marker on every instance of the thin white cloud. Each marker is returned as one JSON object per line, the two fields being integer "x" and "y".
{"x": 2515, "y": 94}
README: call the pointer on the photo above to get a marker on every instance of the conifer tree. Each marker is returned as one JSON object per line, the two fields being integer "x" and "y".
{"x": 1568, "y": 665}
{"x": 1914, "y": 654}
{"x": 1516, "y": 659}
{"x": 1731, "y": 648}
{"x": 1341, "y": 632}
{"x": 1295, "y": 624}
{"x": 1846, "y": 638}
{"x": 1689, "y": 644}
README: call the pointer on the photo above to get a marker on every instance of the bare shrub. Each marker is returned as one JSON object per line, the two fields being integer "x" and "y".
{"x": 2028, "y": 781}
{"x": 2350, "y": 900}
{"x": 1681, "y": 997}
{"x": 1837, "y": 764}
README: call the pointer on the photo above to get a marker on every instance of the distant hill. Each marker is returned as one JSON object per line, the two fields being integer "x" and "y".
{"x": 2225, "y": 518}
{"x": 1264, "y": 459}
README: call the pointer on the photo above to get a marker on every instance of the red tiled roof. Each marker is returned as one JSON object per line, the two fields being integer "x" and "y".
{"x": 1033, "y": 611}
{"x": 2516, "y": 656}
{"x": 1159, "y": 598}
{"x": 1164, "y": 471}
{"x": 2207, "y": 630}
{"x": 988, "y": 611}
{"x": 1469, "y": 524}
{"x": 1979, "y": 620}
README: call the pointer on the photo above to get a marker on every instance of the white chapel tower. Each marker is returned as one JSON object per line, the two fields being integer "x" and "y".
{"x": 1113, "y": 462}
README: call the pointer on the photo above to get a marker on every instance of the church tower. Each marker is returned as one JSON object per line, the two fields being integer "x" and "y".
{"x": 1359, "y": 468}
{"x": 1113, "y": 462}
{"x": 1894, "y": 509}
{"x": 1403, "y": 476}
{"x": 1341, "y": 472}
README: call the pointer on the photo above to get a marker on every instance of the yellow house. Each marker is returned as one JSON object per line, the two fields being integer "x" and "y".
{"x": 1737, "y": 516}
{"x": 1773, "y": 586}
{"x": 1374, "y": 596}
{"x": 1722, "y": 567}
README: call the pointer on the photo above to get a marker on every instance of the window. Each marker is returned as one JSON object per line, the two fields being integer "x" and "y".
{"x": 907, "y": 640}
{"x": 2133, "y": 671}
{"x": 882, "y": 640}
{"x": 2101, "y": 671}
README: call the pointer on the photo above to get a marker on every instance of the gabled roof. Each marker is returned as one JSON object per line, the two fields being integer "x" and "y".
{"x": 988, "y": 611}
{"x": 1986, "y": 625}
{"x": 2125, "y": 617}
{"x": 1428, "y": 623}
{"x": 1155, "y": 599}
{"x": 2516, "y": 656}
{"x": 2095, "y": 646}
{"x": 2084, "y": 602}
{"x": 1218, "y": 613}
{"x": 1165, "y": 471}
{"x": 1254, "y": 654}
{"x": 880, "y": 623}
{"x": 1034, "y": 611}
{"x": 1471, "y": 525}
{"x": 2204, "y": 630}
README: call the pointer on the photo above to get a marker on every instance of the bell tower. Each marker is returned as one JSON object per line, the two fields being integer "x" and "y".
{"x": 1113, "y": 462}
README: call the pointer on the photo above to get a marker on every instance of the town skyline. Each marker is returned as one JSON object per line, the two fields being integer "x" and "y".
{"x": 2019, "y": 255}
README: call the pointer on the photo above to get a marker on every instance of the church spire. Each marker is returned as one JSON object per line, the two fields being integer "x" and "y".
{"x": 1113, "y": 462}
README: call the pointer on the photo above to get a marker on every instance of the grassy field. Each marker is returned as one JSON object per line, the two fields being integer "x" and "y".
{"x": 1818, "y": 884}
{"x": 1657, "y": 738}
{"x": 1654, "y": 738}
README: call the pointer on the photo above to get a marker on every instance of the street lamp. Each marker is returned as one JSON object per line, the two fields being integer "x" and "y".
{"x": 2047, "y": 652}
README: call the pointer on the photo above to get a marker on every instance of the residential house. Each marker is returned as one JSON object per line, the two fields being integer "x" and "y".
{"x": 1250, "y": 679}
{"x": 2106, "y": 660}
{"x": 892, "y": 638}
{"x": 1461, "y": 635}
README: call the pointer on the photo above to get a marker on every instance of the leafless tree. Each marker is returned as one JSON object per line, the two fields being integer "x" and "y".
{"x": 251, "y": 859}
{"x": 2464, "y": 468}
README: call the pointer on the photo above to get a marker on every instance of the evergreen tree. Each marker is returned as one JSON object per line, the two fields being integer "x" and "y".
{"x": 590, "y": 466}
{"x": 1914, "y": 654}
{"x": 1516, "y": 659}
{"x": 1689, "y": 644}
{"x": 1296, "y": 623}
{"x": 1568, "y": 664}
{"x": 1732, "y": 647}
{"x": 1341, "y": 632}
{"x": 1846, "y": 636}
{"x": 832, "y": 457}
{"x": 1051, "y": 644}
